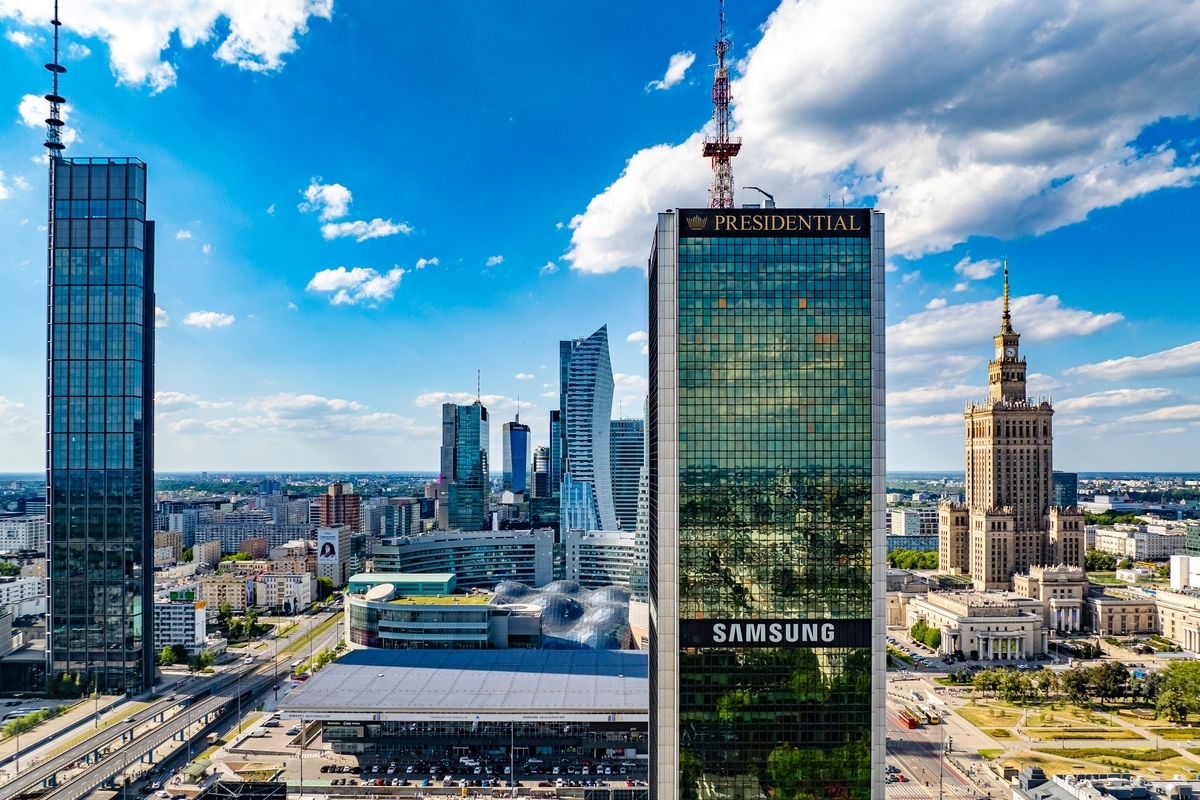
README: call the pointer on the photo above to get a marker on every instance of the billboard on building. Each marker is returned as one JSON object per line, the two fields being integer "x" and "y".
{"x": 327, "y": 547}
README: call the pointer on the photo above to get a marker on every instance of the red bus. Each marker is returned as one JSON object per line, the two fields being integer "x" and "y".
{"x": 907, "y": 719}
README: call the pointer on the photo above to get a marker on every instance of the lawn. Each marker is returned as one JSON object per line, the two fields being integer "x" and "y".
{"x": 1092, "y": 753}
{"x": 990, "y": 752}
{"x": 989, "y": 716}
{"x": 1051, "y": 765}
{"x": 1150, "y": 763}
{"x": 1178, "y": 734}
{"x": 999, "y": 733}
{"x": 1059, "y": 734}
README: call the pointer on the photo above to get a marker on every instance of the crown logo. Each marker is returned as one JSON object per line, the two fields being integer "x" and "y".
{"x": 696, "y": 223}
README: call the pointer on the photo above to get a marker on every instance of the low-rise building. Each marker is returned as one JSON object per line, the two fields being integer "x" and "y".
{"x": 902, "y": 586}
{"x": 284, "y": 592}
{"x": 917, "y": 542}
{"x": 180, "y": 622}
{"x": 988, "y": 626}
{"x": 600, "y": 558}
{"x": 207, "y": 553}
{"x": 1118, "y": 612}
{"x": 23, "y": 596}
{"x": 1142, "y": 542}
{"x": 23, "y": 535}
{"x": 480, "y": 559}
{"x": 236, "y": 591}
{"x": 1179, "y": 617}
{"x": 1061, "y": 590}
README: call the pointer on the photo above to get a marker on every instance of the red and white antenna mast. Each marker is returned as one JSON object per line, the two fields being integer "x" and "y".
{"x": 720, "y": 148}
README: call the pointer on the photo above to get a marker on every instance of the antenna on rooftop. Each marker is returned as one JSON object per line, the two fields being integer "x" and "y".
{"x": 719, "y": 147}
{"x": 479, "y": 386}
{"x": 53, "y": 123}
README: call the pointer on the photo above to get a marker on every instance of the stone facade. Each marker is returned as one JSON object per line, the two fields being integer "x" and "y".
{"x": 996, "y": 626}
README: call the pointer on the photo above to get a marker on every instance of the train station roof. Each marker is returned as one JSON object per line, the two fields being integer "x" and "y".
{"x": 468, "y": 685}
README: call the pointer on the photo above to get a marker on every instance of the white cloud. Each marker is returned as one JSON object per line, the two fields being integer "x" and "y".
{"x": 524, "y": 376}
{"x": 5, "y": 191}
{"x": 494, "y": 260}
{"x": 1178, "y": 361}
{"x": 208, "y": 319}
{"x": 206, "y": 248}
{"x": 490, "y": 401}
{"x": 928, "y": 421}
{"x": 362, "y": 230}
{"x": 161, "y": 320}
{"x": 293, "y": 307}
{"x": 909, "y": 277}
{"x": 34, "y": 109}
{"x": 1190, "y": 411}
{"x": 629, "y": 384}
{"x": 1114, "y": 398}
{"x": 549, "y": 268}
{"x": 936, "y": 303}
{"x": 331, "y": 199}
{"x": 8, "y": 406}
{"x": 358, "y": 285}
{"x": 922, "y": 395}
{"x": 256, "y": 35}
{"x": 1038, "y": 318}
{"x": 637, "y": 336}
{"x": 18, "y": 38}
{"x": 77, "y": 51}
{"x": 1037, "y": 383}
{"x": 422, "y": 263}
{"x": 549, "y": 394}
{"x": 677, "y": 67}
{"x": 977, "y": 270}
{"x": 183, "y": 234}
{"x": 271, "y": 209}
{"x": 977, "y": 118}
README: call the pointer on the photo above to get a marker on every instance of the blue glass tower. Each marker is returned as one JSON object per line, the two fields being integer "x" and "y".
{"x": 515, "y": 441}
{"x": 464, "y": 480}
{"x": 100, "y": 418}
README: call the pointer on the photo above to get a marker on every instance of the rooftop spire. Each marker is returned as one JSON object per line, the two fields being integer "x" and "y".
{"x": 1006, "y": 318}
{"x": 53, "y": 123}
{"x": 719, "y": 147}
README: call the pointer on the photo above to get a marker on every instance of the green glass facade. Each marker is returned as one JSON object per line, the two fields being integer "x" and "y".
{"x": 764, "y": 460}
{"x": 100, "y": 412}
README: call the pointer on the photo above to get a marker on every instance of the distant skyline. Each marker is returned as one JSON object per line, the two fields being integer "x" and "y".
{"x": 341, "y": 249}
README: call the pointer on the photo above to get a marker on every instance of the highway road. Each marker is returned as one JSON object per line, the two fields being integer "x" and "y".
{"x": 254, "y": 680}
{"x": 918, "y": 755}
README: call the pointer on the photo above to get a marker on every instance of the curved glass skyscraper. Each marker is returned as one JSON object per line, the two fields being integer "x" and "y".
{"x": 587, "y": 395}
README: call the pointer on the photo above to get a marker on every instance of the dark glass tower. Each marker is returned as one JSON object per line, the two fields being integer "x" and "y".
{"x": 465, "y": 483}
{"x": 515, "y": 441}
{"x": 766, "y": 495}
{"x": 100, "y": 424}
{"x": 627, "y": 446}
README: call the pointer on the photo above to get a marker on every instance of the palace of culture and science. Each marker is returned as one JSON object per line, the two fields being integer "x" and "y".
{"x": 1007, "y": 523}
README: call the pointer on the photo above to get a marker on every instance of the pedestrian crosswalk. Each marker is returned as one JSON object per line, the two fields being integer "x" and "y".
{"x": 915, "y": 791}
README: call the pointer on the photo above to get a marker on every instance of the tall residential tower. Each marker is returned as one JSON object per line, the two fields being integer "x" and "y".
{"x": 586, "y": 394}
{"x": 100, "y": 418}
{"x": 627, "y": 448}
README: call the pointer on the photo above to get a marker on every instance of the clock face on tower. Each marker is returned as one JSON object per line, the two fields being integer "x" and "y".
{"x": 1010, "y": 352}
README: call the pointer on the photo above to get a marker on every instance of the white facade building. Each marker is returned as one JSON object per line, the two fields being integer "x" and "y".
{"x": 1142, "y": 543}
{"x": 991, "y": 626}
{"x": 23, "y": 533}
{"x": 1185, "y": 572}
{"x": 179, "y": 622}
{"x": 21, "y": 596}
{"x": 601, "y": 558}
{"x": 284, "y": 592}
{"x": 479, "y": 559}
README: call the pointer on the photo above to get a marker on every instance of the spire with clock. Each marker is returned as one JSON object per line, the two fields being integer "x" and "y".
{"x": 1006, "y": 374}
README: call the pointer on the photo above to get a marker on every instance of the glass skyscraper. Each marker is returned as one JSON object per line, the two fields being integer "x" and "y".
{"x": 767, "y": 514}
{"x": 464, "y": 483}
{"x": 100, "y": 424}
{"x": 586, "y": 394}
{"x": 515, "y": 441}
{"x": 627, "y": 449}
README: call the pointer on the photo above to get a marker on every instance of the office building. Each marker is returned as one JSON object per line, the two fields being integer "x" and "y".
{"x": 586, "y": 393}
{"x": 766, "y": 503}
{"x": 1008, "y": 522}
{"x": 627, "y": 451}
{"x": 539, "y": 478}
{"x": 340, "y": 506}
{"x": 515, "y": 442}
{"x": 480, "y": 559}
{"x": 333, "y": 554}
{"x": 1065, "y": 486}
{"x": 23, "y": 535}
{"x": 464, "y": 484}
{"x": 101, "y": 424}
{"x": 1142, "y": 542}
{"x": 601, "y": 558}
{"x": 284, "y": 592}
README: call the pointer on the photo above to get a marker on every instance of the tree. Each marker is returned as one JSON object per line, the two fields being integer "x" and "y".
{"x": 1182, "y": 678}
{"x": 1151, "y": 685}
{"x": 1109, "y": 680}
{"x": 987, "y": 681}
{"x": 235, "y": 557}
{"x": 1098, "y": 561}
{"x": 224, "y": 613}
{"x": 1046, "y": 682}
{"x": 1076, "y": 685}
{"x": 1014, "y": 686}
{"x": 187, "y": 555}
{"x": 933, "y": 638}
{"x": 1172, "y": 706}
{"x": 167, "y": 657}
{"x": 324, "y": 588}
{"x": 9, "y": 569}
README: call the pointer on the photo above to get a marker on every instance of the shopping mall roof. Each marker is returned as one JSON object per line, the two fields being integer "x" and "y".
{"x": 404, "y": 582}
{"x": 487, "y": 685}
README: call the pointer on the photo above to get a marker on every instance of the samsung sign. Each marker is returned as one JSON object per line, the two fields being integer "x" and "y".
{"x": 775, "y": 633}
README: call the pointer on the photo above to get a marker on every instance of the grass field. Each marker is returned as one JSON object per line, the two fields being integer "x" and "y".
{"x": 1069, "y": 734}
{"x": 1050, "y": 764}
{"x": 1177, "y": 734}
{"x": 989, "y": 716}
{"x": 1000, "y": 734}
{"x": 990, "y": 752}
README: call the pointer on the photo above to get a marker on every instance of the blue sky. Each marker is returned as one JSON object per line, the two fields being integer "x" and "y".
{"x": 361, "y": 204}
